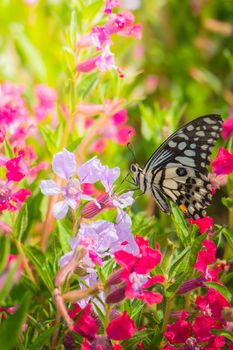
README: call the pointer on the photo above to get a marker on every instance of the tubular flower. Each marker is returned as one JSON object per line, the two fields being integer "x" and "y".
{"x": 134, "y": 274}
{"x": 223, "y": 164}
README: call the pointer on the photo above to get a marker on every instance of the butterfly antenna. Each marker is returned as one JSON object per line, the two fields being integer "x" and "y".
{"x": 122, "y": 181}
{"x": 132, "y": 151}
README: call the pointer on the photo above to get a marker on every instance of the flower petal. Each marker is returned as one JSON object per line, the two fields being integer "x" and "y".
{"x": 64, "y": 164}
{"x": 60, "y": 209}
{"x": 49, "y": 188}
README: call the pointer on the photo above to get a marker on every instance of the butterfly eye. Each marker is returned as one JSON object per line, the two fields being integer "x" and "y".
{"x": 133, "y": 168}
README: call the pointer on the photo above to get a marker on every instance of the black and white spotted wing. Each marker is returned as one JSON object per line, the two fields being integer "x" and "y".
{"x": 178, "y": 168}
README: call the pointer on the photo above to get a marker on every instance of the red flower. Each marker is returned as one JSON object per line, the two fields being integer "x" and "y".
{"x": 227, "y": 128}
{"x": 147, "y": 259}
{"x": 223, "y": 164}
{"x": 215, "y": 344}
{"x": 10, "y": 200}
{"x": 2, "y": 133}
{"x": 85, "y": 325}
{"x": 121, "y": 328}
{"x": 212, "y": 303}
{"x": 16, "y": 169}
{"x": 205, "y": 224}
{"x": 202, "y": 327}
{"x": 206, "y": 256}
{"x": 179, "y": 331}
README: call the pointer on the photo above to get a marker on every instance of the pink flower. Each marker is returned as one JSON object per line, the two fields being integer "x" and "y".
{"x": 147, "y": 259}
{"x": 46, "y": 99}
{"x": 120, "y": 117}
{"x": 110, "y": 5}
{"x": 16, "y": 169}
{"x": 217, "y": 343}
{"x": 85, "y": 325}
{"x": 179, "y": 331}
{"x": 202, "y": 328}
{"x": 227, "y": 127}
{"x": 206, "y": 256}
{"x": 205, "y": 224}
{"x": 2, "y": 133}
{"x": 212, "y": 303}
{"x": 223, "y": 164}
{"x": 134, "y": 275}
{"x": 121, "y": 328}
{"x": 103, "y": 62}
{"x": 10, "y": 200}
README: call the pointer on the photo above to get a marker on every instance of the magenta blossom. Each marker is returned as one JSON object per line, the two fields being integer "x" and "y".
{"x": 227, "y": 127}
{"x": 212, "y": 303}
{"x": 121, "y": 328}
{"x": 64, "y": 165}
{"x": 205, "y": 224}
{"x": 10, "y": 199}
{"x": 134, "y": 274}
{"x": 206, "y": 257}
{"x": 223, "y": 164}
{"x": 103, "y": 62}
{"x": 110, "y": 5}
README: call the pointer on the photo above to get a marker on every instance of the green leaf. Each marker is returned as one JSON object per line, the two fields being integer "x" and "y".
{"x": 180, "y": 262}
{"x": 223, "y": 333}
{"x": 8, "y": 150}
{"x": 11, "y": 327}
{"x": 41, "y": 265}
{"x": 72, "y": 146}
{"x": 29, "y": 53}
{"x": 87, "y": 84}
{"x": 221, "y": 289}
{"x": 181, "y": 225}
{"x": 64, "y": 237}
{"x": 228, "y": 202}
{"x": 73, "y": 28}
{"x": 44, "y": 338}
{"x": 5, "y": 245}
{"x": 171, "y": 290}
{"x": 228, "y": 236}
{"x": 9, "y": 281}
{"x": 47, "y": 134}
{"x": 21, "y": 223}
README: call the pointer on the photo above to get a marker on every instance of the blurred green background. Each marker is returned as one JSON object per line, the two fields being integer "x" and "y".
{"x": 181, "y": 69}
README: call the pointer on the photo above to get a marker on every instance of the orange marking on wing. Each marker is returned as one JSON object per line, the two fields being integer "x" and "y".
{"x": 183, "y": 208}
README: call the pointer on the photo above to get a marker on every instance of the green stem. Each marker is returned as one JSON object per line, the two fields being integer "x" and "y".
{"x": 167, "y": 313}
{"x": 107, "y": 315}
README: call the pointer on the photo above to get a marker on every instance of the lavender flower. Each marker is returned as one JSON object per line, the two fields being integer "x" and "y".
{"x": 64, "y": 165}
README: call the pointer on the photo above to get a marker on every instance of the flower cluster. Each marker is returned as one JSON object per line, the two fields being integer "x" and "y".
{"x": 195, "y": 332}
{"x": 122, "y": 24}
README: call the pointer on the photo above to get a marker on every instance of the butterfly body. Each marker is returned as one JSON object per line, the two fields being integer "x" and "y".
{"x": 178, "y": 169}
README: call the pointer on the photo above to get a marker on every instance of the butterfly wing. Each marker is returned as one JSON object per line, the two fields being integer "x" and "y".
{"x": 179, "y": 166}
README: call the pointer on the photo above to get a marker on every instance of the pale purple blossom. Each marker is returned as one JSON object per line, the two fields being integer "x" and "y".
{"x": 64, "y": 165}
{"x": 102, "y": 238}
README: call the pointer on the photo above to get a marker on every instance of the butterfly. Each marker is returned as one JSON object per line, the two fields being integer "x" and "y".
{"x": 177, "y": 170}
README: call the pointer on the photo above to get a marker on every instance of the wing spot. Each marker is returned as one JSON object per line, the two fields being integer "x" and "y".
{"x": 203, "y": 164}
{"x": 189, "y": 153}
{"x": 193, "y": 145}
{"x": 182, "y": 145}
{"x": 203, "y": 155}
{"x": 200, "y": 133}
{"x": 204, "y": 147}
{"x": 190, "y": 128}
{"x": 172, "y": 144}
{"x": 181, "y": 171}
